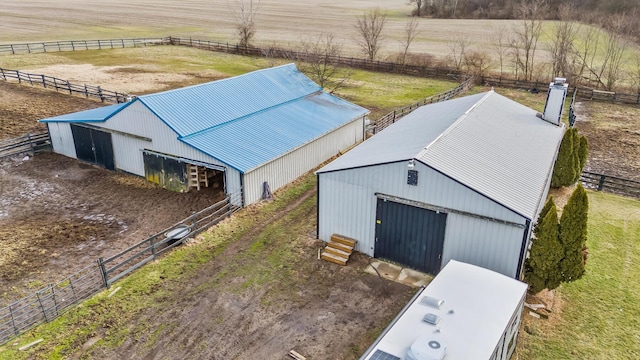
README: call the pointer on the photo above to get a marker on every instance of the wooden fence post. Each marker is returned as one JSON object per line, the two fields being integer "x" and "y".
{"x": 601, "y": 182}
{"x": 100, "y": 94}
{"x": 13, "y": 52}
{"x": 44, "y": 83}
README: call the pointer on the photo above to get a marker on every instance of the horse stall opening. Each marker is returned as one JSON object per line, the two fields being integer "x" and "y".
{"x": 182, "y": 175}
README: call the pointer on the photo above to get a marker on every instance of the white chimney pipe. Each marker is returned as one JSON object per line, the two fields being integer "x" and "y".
{"x": 555, "y": 100}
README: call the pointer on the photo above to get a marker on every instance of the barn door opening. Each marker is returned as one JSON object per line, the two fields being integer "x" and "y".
{"x": 409, "y": 235}
{"x": 93, "y": 146}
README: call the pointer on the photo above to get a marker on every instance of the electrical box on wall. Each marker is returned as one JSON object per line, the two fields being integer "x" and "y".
{"x": 412, "y": 177}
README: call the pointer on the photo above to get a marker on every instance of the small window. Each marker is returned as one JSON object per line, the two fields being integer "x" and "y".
{"x": 412, "y": 177}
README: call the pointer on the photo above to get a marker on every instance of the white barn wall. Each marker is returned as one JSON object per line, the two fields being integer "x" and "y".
{"x": 348, "y": 206}
{"x": 290, "y": 166}
{"x": 62, "y": 139}
{"x": 491, "y": 245}
{"x": 136, "y": 119}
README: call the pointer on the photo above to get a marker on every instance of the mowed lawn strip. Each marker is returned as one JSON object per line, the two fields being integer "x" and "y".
{"x": 600, "y": 316}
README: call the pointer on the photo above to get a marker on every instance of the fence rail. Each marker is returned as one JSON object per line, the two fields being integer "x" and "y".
{"x": 612, "y": 184}
{"x": 50, "y": 82}
{"x": 273, "y": 52}
{"x": 29, "y": 143}
{"x": 73, "y": 45}
{"x": 50, "y": 302}
{"x": 391, "y": 117}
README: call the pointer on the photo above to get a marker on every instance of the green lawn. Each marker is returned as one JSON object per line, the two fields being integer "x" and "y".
{"x": 600, "y": 317}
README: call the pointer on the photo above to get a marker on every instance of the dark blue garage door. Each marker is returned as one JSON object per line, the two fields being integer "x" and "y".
{"x": 409, "y": 235}
{"x": 93, "y": 146}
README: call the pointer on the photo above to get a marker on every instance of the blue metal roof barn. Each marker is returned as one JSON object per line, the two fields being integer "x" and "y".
{"x": 270, "y": 125}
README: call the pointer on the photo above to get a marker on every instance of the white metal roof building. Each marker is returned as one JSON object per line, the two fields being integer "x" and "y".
{"x": 461, "y": 179}
{"x": 476, "y": 312}
{"x": 270, "y": 125}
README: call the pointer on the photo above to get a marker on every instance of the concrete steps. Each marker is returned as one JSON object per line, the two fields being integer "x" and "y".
{"x": 339, "y": 249}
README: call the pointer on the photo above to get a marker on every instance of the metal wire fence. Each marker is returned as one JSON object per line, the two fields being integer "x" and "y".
{"x": 50, "y": 302}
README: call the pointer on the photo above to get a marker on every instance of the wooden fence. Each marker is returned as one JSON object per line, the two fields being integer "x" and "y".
{"x": 274, "y": 52}
{"x": 391, "y": 117}
{"x": 52, "y": 301}
{"x": 612, "y": 184}
{"x": 30, "y": 143}
{"x": 73, "y": 45}
{"x": 50, "y": 82}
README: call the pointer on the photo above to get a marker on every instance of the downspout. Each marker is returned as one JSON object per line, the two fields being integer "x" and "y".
{"x": 317, "y": 206}
{"x": 523, "y": 249}
{"x": 242, "y": 189}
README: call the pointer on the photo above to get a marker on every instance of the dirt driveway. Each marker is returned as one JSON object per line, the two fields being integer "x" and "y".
{"x": 58, "y": 215}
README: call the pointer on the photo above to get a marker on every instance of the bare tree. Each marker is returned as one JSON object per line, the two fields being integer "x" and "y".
{"x": 245, "y": 15}
{"x": 418, "y": 9}
{"x": 410, "y": 33}
{"x": 320, "y": 63}
{"x": 605, "y": 67}
{"x": 525, "y": 41}
{"x": 635, "y": 75}
{"x": 501, "y": 47}
{"x": 561, "y": 46}
{"x": 477, "y": 62}
{"x": 369, "y": 27}
{"x": 458, "y": 51}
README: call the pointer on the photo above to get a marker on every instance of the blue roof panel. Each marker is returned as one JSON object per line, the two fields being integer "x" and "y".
{"x": 199, "y": 107}
{"x": 92, "y": 115}
{"x": 244, "y": 121}
{"x": 249, "y": 142}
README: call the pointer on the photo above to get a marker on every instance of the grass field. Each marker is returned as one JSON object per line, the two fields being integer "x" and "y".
{"x": 599, "y": 317}
{"x": 145, "y": 70}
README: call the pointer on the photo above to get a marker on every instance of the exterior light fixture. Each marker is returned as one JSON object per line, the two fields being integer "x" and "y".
{"x": 411, "y": 165}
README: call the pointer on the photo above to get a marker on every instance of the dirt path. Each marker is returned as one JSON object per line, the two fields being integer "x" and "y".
{"x": 58, "y": 215}
{"x": 322, "y": 310}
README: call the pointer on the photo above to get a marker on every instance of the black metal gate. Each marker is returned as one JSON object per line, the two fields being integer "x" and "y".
{"x": 410, "y": 235}
{"x": 93, "y": 146}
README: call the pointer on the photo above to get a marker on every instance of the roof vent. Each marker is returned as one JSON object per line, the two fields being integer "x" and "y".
{"x": 555, "y": 100}
{"x": 427, "y": 347}
{"x": 433, "y": 302}
{"x": 432, "y": 319}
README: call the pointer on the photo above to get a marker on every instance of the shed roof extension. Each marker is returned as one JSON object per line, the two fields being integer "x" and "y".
{"x": 485, "y": 141}
{"x": 243, "y": 121}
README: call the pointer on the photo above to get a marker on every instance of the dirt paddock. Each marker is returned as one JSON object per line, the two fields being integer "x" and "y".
{"x": 58, "y": 215}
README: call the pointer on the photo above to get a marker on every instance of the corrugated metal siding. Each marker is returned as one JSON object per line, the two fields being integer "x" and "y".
{"x": 127, "y": 152}
{"x": 289, "y": 167}
{"x": 62, "y": 139}
{"x": 138, "y": 120}
{"x": 348, "y": 204}
{"x": 480, "y": 242}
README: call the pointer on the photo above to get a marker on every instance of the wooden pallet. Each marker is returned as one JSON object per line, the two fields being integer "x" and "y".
{"x": 339, "y": 249}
